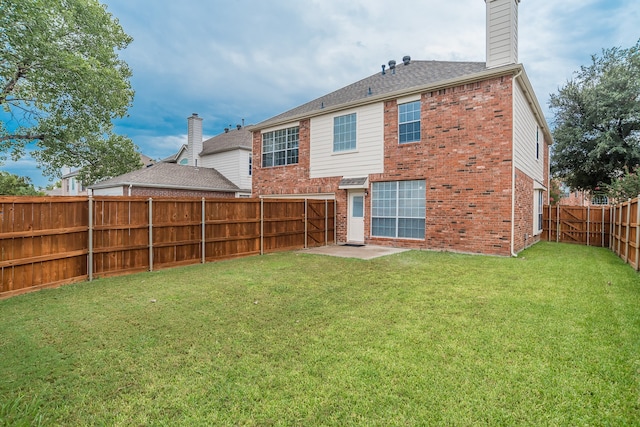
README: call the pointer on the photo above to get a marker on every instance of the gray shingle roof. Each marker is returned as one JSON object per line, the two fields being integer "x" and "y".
{"x": 171, "y": 175}
{"x": 415, "y": 75}
{"x": 235, "y": 138}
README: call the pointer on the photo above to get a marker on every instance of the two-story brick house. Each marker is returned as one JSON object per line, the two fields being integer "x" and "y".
{"x": 423, "y": 154}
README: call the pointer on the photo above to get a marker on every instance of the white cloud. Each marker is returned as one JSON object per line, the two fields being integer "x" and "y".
{"x": 253, "y": 59}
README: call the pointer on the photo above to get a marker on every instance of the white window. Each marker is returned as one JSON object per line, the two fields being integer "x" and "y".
{"x": 344, "y": 132}
{"x": 538, "y": 203}
{"x": 398, "y": 209}
{"x": 409, "y": 122}
{"x": 280, "y": 147}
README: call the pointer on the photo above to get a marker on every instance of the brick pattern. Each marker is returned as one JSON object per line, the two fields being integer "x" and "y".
{"x": 465, "y": 156}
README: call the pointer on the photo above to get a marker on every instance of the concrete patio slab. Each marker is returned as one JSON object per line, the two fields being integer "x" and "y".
{"x": 350, "y": 251}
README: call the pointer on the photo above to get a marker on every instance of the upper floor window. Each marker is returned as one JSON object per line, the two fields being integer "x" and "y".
{"x": 409, "y": 122}
{"x": 344, "y": 132}
{"x": 280, "y": 147}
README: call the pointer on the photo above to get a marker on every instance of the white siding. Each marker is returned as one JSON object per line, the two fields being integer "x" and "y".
{"x": 367, "y": 158}
{"x": 183, "y": 155}
{"x": 233, "y": 164}
{"x": 502, "y": 32}
{"x": 525, "y": 131}
{"x": 109, "y": 191}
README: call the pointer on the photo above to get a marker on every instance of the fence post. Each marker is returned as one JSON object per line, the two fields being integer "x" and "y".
{"x": 306, "y": 219}
{"x": 557, "y": 223}
{"x": 549, "y": 223}
{"x": 90, "y": 240}
{"x": 203, "y": 233}
{"x": 626, "y": 255}
{"x": 638, "y": 234}
{"x": 335, "y": 217}
{"x": 326, "y": 222}
{"x": 588, "y": 224}
{"x": 602, "y": 230}
{"x": 261, "y": 226}
{"x": 150, "y": 234}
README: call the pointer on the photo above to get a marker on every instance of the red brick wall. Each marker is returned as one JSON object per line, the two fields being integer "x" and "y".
{"x": 162, "y": 192}
{"x": 465, "y": 156}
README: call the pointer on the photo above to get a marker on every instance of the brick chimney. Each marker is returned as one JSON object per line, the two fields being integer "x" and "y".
{"x": 502, "y": 32}
{"x": 194, "y": 139}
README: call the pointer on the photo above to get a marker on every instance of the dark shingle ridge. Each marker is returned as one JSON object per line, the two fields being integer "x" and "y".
{"x": 405, "y": 77}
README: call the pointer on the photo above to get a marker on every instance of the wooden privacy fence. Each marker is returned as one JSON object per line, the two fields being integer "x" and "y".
{"x": 48, "y": 241}
{"x": 583, "y": 225}
{"x": 615, "y": 227}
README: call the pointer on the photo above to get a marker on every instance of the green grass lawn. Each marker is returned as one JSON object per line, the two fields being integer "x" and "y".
{"x": 419, "y": 338}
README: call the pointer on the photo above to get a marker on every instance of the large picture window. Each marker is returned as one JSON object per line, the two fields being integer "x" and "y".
{"x": 344, "y": 133}
{"x": 409, "y": 122}
{"x": 398, "y": 209}
{"x": 280, "y": 147}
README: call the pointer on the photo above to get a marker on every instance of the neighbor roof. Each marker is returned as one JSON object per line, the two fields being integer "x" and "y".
{"x": 416, "y": 74}
{"x": 171, "y": 175}
{"x": 174, "y": 157}
{"x": 229, "y": 140}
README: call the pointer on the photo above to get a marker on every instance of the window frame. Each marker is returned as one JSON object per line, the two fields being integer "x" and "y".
{"x": 399, "y": 210}
{"x": 406, "y": 122}
{"x": 283, "y": 147}
{"x": 345, "y": 133}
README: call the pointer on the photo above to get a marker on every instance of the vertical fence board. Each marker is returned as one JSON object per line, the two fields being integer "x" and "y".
{"x": 45, "y": 241}
{"x": 616, "y": 228}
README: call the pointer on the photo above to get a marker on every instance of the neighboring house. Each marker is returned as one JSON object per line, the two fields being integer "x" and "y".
{"x": 434, "y": 155}
{"x": 72, "y": 186}
{"x": 167, "y": 179}
{"x": 229, "y": 152}
{"x": 580, "y": 198}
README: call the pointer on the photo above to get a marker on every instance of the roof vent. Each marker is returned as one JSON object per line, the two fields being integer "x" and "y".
{"x": 383, "y": 67}
{"x": 238, "y": 127}
{"x": 392, "y": 64}
{"x": 406, "y": 60}
{"x": 226, "y": 130}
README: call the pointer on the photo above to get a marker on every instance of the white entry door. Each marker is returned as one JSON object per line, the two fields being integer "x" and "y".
{"x": 355, "y": 225}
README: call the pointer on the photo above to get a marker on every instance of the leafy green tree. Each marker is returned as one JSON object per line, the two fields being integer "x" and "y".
{"x": 61, "y": 85}
{"x": 597, "y": 120}
{"x": 625, "y": 187}
{"x": 14, "y": 185}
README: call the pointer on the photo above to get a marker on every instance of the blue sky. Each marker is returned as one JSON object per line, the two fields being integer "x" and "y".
{"x": 246, "y": 59}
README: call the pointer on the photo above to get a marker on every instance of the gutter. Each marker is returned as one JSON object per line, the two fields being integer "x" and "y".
{"x": 513, "y": 169}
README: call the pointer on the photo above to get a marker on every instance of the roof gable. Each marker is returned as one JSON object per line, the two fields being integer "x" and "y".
{"x": 231, "y": 140}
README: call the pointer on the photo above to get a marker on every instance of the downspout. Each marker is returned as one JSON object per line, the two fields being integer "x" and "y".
{"x": 130, "y": 185}
{"x": 513, "y": 165}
